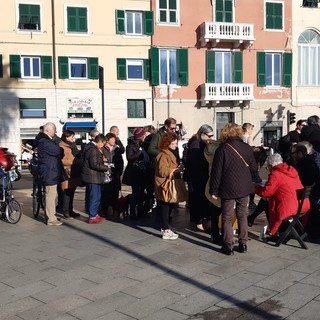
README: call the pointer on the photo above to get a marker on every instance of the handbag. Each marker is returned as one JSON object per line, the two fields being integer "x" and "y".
{"x": 174, "y": 190}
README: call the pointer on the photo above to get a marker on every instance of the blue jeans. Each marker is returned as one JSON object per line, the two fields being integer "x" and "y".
{"x": 94, "y": 198}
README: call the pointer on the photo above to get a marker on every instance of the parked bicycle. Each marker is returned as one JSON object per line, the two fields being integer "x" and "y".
{"x": 10, "y": 208}
{"x": 38, "y": 189}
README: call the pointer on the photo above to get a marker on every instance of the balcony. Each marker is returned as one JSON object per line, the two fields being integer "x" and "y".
{"x": 238, "y": 33}
{"x": 213, "y": 93}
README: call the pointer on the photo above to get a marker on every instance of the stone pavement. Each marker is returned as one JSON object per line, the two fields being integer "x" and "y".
{"x": 122, "y": 271}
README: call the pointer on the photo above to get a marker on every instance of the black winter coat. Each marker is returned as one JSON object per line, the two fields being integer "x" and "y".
{"x": 196, "y": 166}
{"x": 50, "y": 165}
{"x": 93, "y": 167}
{"x": 311, "y": 134}
{"x": 138, "y": 162}
{"x": 230, "y": 177}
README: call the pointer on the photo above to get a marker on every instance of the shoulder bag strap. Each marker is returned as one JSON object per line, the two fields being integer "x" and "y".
{"x": 244, "y": 161}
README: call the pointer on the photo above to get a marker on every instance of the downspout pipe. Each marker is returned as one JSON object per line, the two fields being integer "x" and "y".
{"x": 54, "y": 57}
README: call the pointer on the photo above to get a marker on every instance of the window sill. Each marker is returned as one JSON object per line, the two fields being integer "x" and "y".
{"x": 168, "y": 24}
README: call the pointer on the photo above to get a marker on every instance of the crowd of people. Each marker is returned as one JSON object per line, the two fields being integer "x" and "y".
{"x": 221, "y": 174}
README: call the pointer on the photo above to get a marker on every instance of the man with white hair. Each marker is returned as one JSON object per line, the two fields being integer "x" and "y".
{"x": 50, "y": 169}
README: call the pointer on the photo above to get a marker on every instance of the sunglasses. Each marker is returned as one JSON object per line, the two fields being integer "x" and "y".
{"x": 209, "y": 135}
{"x": 172, "y": 129}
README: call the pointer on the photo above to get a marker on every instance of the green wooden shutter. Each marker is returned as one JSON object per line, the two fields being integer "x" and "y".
{"x": 35, "y": 15}
{"x": 210, "y": 67}
{"x": 261, "y": 69}
{"x": 72, "y": 19}
{"x": 120, "y": 22}
{"x": 155, "y": 76}
{"x": 1, "y": 66}
{"x": 163, "y": 10}
{"x": 219, "y": 10}
{"x": 82, "y": 19}
{"x": 146, "y": 68}
{"x": 93, "y": 68}
{"x": 15, "y": 71}
{"x": 237, "y": 67}
{"x": 148, "y": 23}
{"x": 287, "y": 69}
{"x": 121, "y": 69}
{"x": 63, "y": 63}
{"x": 182, "y": 64}
{"x": 173, "y": 11}
{"x": 274, "y": 16}
{"x": 228, "y": 11}
{"x": 46, "y": 67}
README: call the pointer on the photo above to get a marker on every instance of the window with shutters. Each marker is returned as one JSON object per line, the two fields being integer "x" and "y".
{"x": 134, "y": 23}
{"x": 77, "y": 19}
{"x": 224, "y": 67}
{"x": 274, "y": 15}
{"x": 78, "y": 68}
{"x": 136, "y": 108}
{"x": 274, "y": 69}
{"x": 169, "y": 66}
{"x": 224, "y": 10}
{"x": 29, "y": 17}
{"x": 133, "y": 69}
{"x": 168, "y": 11}
{"x": 309, "y": 58}
{"x": 30, "y": 67}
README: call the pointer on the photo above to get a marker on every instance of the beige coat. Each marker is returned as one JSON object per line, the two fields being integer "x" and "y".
{"x": 72, "y": 167}
{"x": 166, "y": 163}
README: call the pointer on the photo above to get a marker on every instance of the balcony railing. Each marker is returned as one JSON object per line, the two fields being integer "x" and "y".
{"x": 213, "y": 93}
{"x": 237, "y": 33}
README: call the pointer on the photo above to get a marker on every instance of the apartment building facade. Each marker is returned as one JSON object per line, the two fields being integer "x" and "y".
{"x": 76, "y": 63}
{"x": 229, "y": 65}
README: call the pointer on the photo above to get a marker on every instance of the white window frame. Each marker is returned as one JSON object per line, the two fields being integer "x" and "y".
{"x": 31, "y": 61}
{"x": 167, "y": 67}
{"x": 265, "y": 16}
{"x": 134, "y": 13}
{"x": 134, "y": 62}
{"x": 302, "y": 63}
{"x": 74, "y": 60}
{"x": 224, "y": 53}
{"x": 18, "y": 17}
{"x": 272, "y": 68}
{"x": 168, "y": 23}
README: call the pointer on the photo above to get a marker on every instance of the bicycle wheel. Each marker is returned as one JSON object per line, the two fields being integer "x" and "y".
{"x": 35, "y": 203}
{"x": 13, "y": 211}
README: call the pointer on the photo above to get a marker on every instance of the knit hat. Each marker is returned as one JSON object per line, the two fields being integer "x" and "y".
{"x": 138, "y": 133}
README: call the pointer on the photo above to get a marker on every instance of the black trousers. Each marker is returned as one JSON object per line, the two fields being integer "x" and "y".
{"x": 67, "y": 203}
{"x": 165, "y": 210}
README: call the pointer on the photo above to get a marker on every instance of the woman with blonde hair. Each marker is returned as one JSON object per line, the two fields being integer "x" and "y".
{"x": 231, "y": 180}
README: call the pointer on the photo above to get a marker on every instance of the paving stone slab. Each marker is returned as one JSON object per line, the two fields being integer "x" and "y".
{"x": 102, "y": 307}
{"x": 281, "y": 280}
{"x": 238, "y": 282}
{"x": 309, "y": 311}
{"x": 309, "y": 265}
{"x": 272, "y": 265}
{"x": 296, "y": 296}
{"x": 12, "y": 308}
{"x": 166, "y": 314}
{"x": 149, "y": 305}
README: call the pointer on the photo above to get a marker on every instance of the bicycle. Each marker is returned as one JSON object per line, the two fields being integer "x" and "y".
{"x": 38, "y": 196}
{"x": 10, "y": 208}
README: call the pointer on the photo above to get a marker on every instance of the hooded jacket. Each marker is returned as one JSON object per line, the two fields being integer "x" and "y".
{"x": 283, "y": 189}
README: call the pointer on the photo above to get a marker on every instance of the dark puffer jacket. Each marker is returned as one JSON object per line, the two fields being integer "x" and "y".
{"x": 93, "y": 167}
{"x": 50, "y": 155}
{"x": 230, "y": 177}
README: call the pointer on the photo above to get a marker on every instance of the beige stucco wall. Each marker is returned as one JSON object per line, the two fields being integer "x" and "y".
{"x": 101, "y": 41}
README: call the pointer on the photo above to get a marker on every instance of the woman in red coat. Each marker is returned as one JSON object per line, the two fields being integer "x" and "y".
{"x": 282, "y": 190}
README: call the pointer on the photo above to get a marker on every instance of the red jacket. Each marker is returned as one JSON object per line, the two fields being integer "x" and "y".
{"x": 281, "y": 189}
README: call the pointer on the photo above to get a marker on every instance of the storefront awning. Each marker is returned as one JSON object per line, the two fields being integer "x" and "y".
{"x": 80, "y": 125}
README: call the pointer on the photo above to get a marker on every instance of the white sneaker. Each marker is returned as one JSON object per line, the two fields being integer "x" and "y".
{"x": 169, "y": 235}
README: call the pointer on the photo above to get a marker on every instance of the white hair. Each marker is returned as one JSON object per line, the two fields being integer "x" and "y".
{"x": 274, "y": 160}
{"x": 48, "y": 126}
